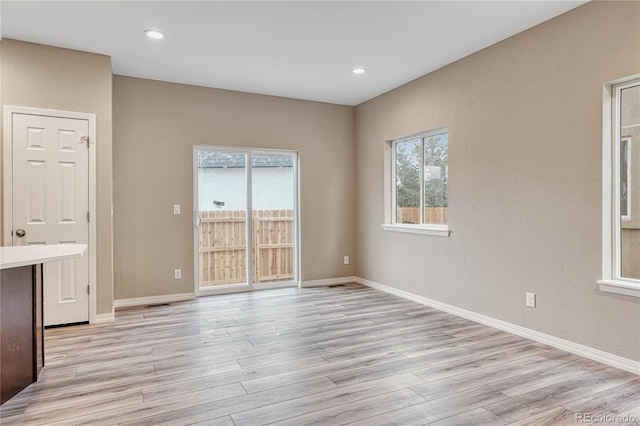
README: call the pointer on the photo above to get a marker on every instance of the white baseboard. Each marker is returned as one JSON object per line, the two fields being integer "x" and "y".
{"x": 151, "y": 300}
{"x": 101, "y": 318}
{"x": 566, "y": 345}
{"x": 328, "y": 281}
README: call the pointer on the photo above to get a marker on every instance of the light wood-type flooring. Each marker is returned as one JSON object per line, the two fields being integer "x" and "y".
{"x": 324, "y": 355}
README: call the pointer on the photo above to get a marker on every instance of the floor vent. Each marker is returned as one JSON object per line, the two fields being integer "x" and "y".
{"x": 65, "y": 325}
{"x": 335, "y": 285}
{"x": 157, "y": 305}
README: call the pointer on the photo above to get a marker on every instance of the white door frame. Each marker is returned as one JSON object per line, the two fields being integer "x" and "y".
{"x": 237, "y": 288}
{"x": 7, "y": 142}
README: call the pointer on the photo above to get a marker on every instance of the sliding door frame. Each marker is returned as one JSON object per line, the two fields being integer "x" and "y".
{"x": 249, "y": 285}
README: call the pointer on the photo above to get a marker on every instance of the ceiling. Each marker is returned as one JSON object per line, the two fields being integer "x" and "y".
{"x": 296, "y": 49}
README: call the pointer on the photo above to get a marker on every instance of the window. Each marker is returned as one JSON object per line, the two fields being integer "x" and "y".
{"x": 418, "y": 173}
{"x": 621, "y": 188}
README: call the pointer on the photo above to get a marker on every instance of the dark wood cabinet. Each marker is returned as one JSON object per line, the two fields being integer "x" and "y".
{"x": 21, "y": 328}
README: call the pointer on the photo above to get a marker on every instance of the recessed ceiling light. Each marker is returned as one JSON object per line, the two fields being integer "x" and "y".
{"x": 155, "y": 34}
{"x": 358, "y": 70}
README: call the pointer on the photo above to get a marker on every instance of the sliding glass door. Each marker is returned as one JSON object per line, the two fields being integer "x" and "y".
{"x": 245, "y": 219}
{"x": 273, "y": 203}
{"x": 221, "y": 212}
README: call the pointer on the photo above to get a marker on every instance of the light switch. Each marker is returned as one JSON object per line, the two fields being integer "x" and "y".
{"x": 531, "y": 300}
{"x": 176, "y": 209}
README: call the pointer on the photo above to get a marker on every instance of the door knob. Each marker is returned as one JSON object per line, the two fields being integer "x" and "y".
{"x": 21, "y": 233}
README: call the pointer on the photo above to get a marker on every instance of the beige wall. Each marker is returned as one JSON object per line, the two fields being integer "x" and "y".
{"x": 46, "y": 77}
{"x": 156, "y": 125}
{"x": 525, "y": 123}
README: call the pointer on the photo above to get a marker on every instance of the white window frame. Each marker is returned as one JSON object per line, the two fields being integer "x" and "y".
{"x": 441, "y": 230}
{"x": 612, "y": 280}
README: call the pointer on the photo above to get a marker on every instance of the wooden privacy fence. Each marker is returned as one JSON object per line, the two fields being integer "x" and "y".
{"x": 223, "y": 254}
{"x": 431, "y": 215}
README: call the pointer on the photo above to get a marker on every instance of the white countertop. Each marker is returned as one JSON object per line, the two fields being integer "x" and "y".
{"x": 13, "y": 257}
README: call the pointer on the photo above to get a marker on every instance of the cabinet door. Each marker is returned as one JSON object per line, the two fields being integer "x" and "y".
{"x": 16, "y": 324}
{"x": 38, "y": 314}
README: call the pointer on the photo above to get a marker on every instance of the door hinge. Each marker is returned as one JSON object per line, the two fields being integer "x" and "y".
{"x": 88, "y": 292}
{"x": 85, "y": 140}
{"x": 88, "y": 216}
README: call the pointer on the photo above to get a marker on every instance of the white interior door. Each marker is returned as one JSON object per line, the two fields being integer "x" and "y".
{"x": 50, "y": 204}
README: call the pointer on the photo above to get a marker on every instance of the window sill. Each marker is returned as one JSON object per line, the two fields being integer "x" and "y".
{"x": 625, "y": 287}
{"x": 437, "y": 230}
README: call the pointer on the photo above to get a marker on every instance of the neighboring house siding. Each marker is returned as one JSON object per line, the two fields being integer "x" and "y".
{"x": 272, "y": 189}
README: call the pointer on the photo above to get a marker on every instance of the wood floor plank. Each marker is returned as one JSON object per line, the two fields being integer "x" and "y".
{"x": 132, "y": 413}
{"x": 357, "y": 410}
{"x": 438, "y": 409}
{"x": 55, "y": 412}
{"x": 461, "y": 402}
{"x": 413, "y": 415}
{"x": 479, "y": 362}
{"x": 325, "y": 400}
{"x": 399, "y": 344}
{"x": 617, "y": 400}
{"x": 212, "y": 410}
{"x": 555, "y": 395}
{"x": 558, "y": 416}
{"x": 476, "y": 417}
{"x": 323, "y": 355}
{"x": 631, "y": 417}
{"x": 220, "y": 421}
{"x": 507, "y": 369}
{"x": 390, "y": 368}
{"x": 83, "y": 389}
{"x": 275, "y": 380}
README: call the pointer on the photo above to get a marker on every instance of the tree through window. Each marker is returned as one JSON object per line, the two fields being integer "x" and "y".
{"x": 421, "y": 178}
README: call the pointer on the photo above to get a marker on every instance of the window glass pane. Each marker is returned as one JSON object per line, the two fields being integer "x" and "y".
{"x": 629, "y": 191}
{"x": 273, "y": 188}
{"x": 222, "y": 209}
{"x": 624, "y": 178}
{"x": 436, "y": 155}
{"x": 408, "y": 159}
{"x": 222, "y": 181}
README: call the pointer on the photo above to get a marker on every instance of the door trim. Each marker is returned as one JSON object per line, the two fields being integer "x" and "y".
{"x": 249, "y": 286}
{"x": 7, "y": 177}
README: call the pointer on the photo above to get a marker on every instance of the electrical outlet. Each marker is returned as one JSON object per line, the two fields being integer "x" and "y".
{"x": 346, "y": 260}
{"x": 531, "y": 300}
{"x": 176, "y": 209}
{"x": 177, "y": 274}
